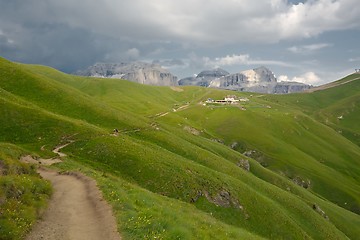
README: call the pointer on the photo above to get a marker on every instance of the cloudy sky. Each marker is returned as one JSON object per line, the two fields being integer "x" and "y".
{"x": 313, "y": 41}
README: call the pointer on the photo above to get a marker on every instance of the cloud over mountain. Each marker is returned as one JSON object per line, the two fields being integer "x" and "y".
{"x": 70, "y": 34}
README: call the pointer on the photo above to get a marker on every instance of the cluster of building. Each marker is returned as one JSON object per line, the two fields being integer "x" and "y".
{"x": 231, "y": 99}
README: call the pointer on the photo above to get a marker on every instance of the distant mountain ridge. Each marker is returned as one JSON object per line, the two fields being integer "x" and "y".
{"x": 259, "y": 79}
{"x": 204, "y": 78}
{"x": 140, "y": 72}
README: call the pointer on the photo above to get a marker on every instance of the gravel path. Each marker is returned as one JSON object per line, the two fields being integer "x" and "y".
{"x": 76, "y": 211}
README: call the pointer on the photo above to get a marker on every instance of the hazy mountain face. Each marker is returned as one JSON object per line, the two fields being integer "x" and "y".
{"x": 259, "y": 79}
{"x": 145, "y": 73}
{"x": 204, "y": 78}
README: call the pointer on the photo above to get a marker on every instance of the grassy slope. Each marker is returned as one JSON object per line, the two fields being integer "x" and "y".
{"x": 157, "y": 163}
{"x": 23, "y": 194}
{"x": 336, "y": 107}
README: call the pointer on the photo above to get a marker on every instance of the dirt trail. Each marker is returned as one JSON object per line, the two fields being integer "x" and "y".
{"x": 76, "y": 210}
{"x": 48, "y": 161}
{"x": 58, "y": 148}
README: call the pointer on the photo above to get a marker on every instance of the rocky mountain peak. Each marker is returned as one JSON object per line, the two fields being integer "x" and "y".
{"x": 204, "y": 78}
{"x": 260, "y": 74}
{"x": 214, "y": 73}
{"x": 259, "y": 79}
{"x": 141, "y": 72}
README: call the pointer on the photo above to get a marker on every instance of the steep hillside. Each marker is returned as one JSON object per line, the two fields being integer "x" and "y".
{"x": 23, "y": 194}
{"x": 182, "y": 169}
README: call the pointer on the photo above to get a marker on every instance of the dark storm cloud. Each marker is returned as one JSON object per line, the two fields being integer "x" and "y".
{"x": 56, "y": 45}
{"x": 69, "y": 34}
{"x": 170, "y": 63}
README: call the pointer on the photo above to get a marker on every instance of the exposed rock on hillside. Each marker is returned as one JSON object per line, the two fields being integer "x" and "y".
{"x": 145, "y": 73}
{"x": 244, "y": 164}
{"x": 320, "y": 211}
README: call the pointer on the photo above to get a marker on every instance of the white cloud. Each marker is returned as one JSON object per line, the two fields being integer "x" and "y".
{"x": 357, "y": 59}
{"x": 4, "y": 38}
{"x": 133, "y": 53}
{"x": 307, "y": 49}
{"x": 231, "y": 60}
{"x": 241, "y": 59}
{"x": 308, "y": 78}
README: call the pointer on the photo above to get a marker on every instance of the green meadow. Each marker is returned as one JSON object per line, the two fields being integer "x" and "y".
{"x": 274, "y": 167}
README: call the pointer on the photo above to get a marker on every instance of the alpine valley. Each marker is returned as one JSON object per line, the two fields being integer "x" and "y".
{"x": 186, "y": 162}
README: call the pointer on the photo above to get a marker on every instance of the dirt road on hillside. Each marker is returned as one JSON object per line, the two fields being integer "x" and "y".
{"x": 76, "y": 211}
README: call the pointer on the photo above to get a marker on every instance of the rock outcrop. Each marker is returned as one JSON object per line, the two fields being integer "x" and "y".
{"x": 145, "y": 73}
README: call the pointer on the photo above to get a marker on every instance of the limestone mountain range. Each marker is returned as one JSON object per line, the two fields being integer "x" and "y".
{"x": 260, "y": 79}
{"x": 145, "y": 73}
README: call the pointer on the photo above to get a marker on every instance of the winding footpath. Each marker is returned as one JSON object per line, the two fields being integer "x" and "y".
{"x": 76, "y": 210}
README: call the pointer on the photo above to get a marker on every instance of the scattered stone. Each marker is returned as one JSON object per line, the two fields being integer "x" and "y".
{"x": 217, "y": 140}
{"x": 197, "y": 196}
{"x": 249, "y": 153}
{"x": 222, "y": 199}
{"x": 244, "y": 164}
{"x": 320, "y": 211}
{"x": 258, "y": 156}
{"x": 192, "y": 130}
{"x": 301, "y": 182}
{"x": 234, "y": 145}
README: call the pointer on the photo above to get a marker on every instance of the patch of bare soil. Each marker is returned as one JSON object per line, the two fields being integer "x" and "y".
{"x": 76, "y": 211}
{"x": 41, "y": 161}
{"x": 48, "y": 161}
{"x": 177, "y": 89}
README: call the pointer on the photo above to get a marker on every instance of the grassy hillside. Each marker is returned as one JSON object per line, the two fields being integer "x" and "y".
{"x": 179, "y": 169}
{"x": 23, "y": 194}
{"x": 337, "y": 107}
